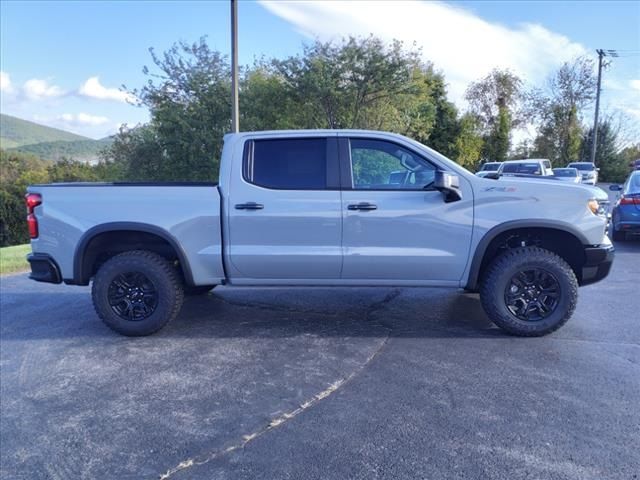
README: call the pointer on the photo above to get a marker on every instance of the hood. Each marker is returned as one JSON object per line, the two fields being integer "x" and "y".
{"x": 539, "y": 184}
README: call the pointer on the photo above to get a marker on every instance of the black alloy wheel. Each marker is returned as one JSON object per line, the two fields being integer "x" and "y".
{"x": 132, "y": 296}
{"x": 532, "y": 295}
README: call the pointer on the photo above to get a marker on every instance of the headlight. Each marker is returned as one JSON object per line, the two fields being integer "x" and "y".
{"x": 598, "y": 207}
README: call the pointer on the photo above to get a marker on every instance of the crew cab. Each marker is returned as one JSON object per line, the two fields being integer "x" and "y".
{"x": 323, "y": 208}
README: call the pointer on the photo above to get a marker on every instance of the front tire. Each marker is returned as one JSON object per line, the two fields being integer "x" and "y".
{"x": 137, "y": 293}
{"x": 529, "y": 291}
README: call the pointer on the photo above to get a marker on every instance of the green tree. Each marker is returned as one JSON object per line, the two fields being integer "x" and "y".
{"x": 559, "y": 110}
{"x": 136, "y": 154}
{"x": 630, "y": 154}
{"x": 497, "y": 142}
{"x": 356, "y": 83}
{"x": 343, "y": 85}
{"x": 469, "y": 143}
{"x": 188, "y": 95}
{"x": 17, "y": 171}
{"x": 67, "y": 170}
{"x": 265, "y": 100}
{"x": 499, "y": 103}
{"x": 613, "y": 165}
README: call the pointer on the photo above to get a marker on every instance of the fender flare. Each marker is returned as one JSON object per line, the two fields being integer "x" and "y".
{"x": 81, "y": 274}
{"x": 485, "y": 241}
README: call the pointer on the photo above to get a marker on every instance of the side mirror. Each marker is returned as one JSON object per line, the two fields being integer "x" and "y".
{"x": 615, "y": 187}
{"x": 597, "y": 169}
{"x": 449, "y": 185}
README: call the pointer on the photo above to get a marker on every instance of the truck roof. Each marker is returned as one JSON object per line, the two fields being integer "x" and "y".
{"x": 318, "y": 131}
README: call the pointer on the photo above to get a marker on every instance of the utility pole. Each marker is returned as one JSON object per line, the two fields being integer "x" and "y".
{"x": 235, "y": 112}
{"x": 594, "y": 139}
{"x": 601, "y": 54}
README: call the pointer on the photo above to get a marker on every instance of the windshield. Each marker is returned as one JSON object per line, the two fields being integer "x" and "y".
{"x": 565, "y": 172}
{"x": 527, "y": 168}
{"x": 633, "y": 185}
{"x": 582, "y": 166}
{"x": 490, "y": 167}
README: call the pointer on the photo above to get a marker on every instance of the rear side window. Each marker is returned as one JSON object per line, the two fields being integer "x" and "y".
{"x": 290, "y": 164}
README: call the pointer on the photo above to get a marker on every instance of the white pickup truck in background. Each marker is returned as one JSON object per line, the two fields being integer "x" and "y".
{"x": 324, "y": 208}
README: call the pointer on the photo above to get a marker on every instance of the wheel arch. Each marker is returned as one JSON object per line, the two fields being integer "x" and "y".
{"x": 552, "y": 231}
{"x": 127, "y": 236}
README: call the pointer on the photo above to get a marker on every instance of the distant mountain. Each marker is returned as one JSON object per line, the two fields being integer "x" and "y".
{"x": 46, "y": 142}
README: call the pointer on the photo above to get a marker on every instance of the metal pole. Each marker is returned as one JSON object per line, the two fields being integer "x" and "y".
{"x": 235, "y": 113}
{"x": 595, "y": 121}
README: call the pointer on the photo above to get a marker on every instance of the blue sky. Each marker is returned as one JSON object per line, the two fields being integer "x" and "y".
{"x": 63, "y": 63}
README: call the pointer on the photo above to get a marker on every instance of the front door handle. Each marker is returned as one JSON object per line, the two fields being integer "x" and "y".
{"x": 362, "y": 206}
{"x": 249, "y": 206}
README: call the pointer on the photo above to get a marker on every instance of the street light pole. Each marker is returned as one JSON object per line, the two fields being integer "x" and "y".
{"x": 235, "y": 113}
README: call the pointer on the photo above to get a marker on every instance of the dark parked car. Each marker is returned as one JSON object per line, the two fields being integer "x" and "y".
{"x": 626, "y": 212}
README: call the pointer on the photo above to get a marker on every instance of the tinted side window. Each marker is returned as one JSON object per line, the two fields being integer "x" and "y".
{"x": 380, "y": 165}
{"x": 292, "y": 163}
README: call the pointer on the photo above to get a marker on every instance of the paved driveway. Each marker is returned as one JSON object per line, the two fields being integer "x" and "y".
{"x": 320, "y": 383}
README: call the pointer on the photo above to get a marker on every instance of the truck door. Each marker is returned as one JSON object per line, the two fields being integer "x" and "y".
{"x": 400, "y": 230}
{"x": 285, "y": 218}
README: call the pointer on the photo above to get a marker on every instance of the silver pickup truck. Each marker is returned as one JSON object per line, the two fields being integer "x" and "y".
{"x": 323, "y": 208}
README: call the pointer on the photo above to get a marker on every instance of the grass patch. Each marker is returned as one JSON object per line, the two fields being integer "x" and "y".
{"x": 13, "y": 259}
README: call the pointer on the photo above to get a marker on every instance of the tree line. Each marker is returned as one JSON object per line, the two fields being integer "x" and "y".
{"x": 362, "y": 83}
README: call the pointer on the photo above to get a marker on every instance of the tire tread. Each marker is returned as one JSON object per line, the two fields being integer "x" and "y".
{"x": 159, "y": 262}
{"x": 507, "y": 260}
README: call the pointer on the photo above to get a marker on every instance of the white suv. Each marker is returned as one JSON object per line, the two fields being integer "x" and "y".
{"x": 587, "y": 170}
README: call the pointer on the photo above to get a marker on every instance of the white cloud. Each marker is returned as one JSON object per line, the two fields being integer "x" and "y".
{"x": 73, "y": 120}
{"x": 464, "y": 46}
{"x": 5, "y": 83}
{"x": 37, "y": 89}
{"x": 635, "y": 84}
{"x": 84, "y": 119}
{"x": 94, "y": 89}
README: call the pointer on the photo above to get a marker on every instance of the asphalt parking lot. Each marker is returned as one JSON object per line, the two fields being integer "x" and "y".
{"x": 321, "y": 383}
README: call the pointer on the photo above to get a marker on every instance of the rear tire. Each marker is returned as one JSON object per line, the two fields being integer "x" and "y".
{"x": 137, "y": 293}
{"x": 529, "y": 291}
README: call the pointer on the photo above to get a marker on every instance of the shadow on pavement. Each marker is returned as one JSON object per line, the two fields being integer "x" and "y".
{"x": 266, "y": 312}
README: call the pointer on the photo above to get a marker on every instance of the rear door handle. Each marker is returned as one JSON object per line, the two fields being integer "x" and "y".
{"x": 249, "y": 206}
{"x": 362, "y": 206}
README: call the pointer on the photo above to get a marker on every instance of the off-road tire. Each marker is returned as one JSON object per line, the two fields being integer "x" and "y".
{"x": 499, "y": 274}
{"x": 159, "y": 271}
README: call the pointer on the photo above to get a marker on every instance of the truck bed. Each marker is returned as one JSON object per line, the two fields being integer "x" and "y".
{"x": 185, "y": 214}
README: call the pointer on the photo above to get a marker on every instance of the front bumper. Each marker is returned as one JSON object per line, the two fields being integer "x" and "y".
{"x": 598, "y": 261}
{"x": 44, "y": 268}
